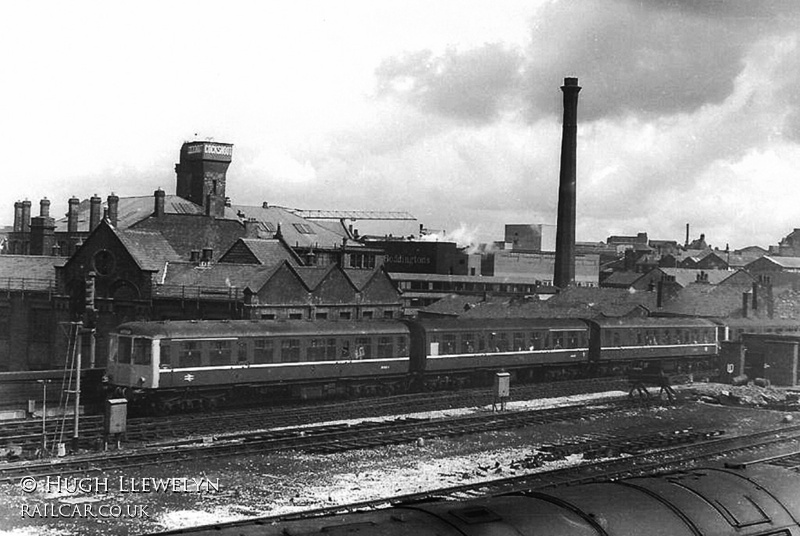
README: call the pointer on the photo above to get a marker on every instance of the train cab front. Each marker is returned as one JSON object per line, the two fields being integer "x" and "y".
{"x": 132, "y": 365}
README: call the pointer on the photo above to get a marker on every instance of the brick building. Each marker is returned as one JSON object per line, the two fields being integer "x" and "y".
{"x": 192, "y": 255}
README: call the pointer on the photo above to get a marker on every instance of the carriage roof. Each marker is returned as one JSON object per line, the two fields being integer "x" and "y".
{"x": 187, "y": 329}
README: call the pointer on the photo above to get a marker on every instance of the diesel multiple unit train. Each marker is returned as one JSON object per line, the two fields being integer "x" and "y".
{"x": 169, "y": 365}
{"x": 757, "y": 501}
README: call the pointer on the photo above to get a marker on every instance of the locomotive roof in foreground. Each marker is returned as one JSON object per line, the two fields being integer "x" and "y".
{"x": 254, "y": 328}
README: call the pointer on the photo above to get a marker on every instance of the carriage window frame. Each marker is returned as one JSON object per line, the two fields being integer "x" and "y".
{"x": 263, "y": 351}
{"x": 142, "y": 353}
{"x": 220, "y": 352}
{"x": 190, "y": 354}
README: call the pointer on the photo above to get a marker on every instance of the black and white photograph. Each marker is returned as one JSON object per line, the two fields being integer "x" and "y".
{"x": 400, "y": 268}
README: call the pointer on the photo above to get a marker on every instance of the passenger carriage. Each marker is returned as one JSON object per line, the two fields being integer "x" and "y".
{"x": 270, "y": 358}
{"x": 467, "y": 349}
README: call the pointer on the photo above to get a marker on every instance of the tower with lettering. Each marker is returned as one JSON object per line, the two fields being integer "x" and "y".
{"x": 201, "y": 174}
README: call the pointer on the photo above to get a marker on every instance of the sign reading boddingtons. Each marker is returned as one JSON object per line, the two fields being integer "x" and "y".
{"x": 205, "y": 150}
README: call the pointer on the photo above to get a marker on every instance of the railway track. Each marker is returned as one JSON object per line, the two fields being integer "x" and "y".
{"x": 662, "y": 460}
{"x": 320, "y": 439}
{"x": 27, "y": 434}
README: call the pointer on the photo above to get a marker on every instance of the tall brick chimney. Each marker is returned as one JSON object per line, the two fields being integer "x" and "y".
{"x": 113, "y": 209}
{"x": 95, "y": 211}
{"x": 72, "y": 214}
{"x": 44, "y": 208}
{"x": 159, "y": 197}
{"x": 18, "y": 216}
{"x": 564, "y": 273}
{"x": 26, "y": 216}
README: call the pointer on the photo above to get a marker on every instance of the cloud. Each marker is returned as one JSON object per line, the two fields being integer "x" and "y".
{"x": 654, "y": 58}
{"x": 469, "y": 85}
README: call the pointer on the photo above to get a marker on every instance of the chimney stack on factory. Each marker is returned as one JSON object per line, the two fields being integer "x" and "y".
{"x": 564, "y": 273}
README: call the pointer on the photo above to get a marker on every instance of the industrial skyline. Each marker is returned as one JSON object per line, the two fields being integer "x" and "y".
{"x": 450, "y": 112}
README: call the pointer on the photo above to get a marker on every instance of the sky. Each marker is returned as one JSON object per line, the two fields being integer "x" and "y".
{"x": 448, "y": 110}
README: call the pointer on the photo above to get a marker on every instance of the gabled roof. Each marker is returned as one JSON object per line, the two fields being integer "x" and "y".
{"x": 784, "y": 262}
{"x": 268, "y": 251}
{"x": 686, "y": 276}
{"x": 312, "y": 276}
{"x": 221, "y": 279}
{"x": 360, "y": 278}
{"x": 149, "y": 249}
{"x": 28, "y": 272}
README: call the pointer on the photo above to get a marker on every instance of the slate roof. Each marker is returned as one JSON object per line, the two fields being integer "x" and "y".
{"x": 131, "y": 210}
{"x": 575, "y": 302}
{"x": 221, "y": 280}
{"x": 312, "y": 276}
{"x": 29, "y": 272}
{"x": 709, "y": 301}
{"x": 149, "y": 248}
{"x": 270, "y": 251}
{"x": 296, "y": 231}
{"x": 360, "y": 278}
{"x": 621, "y": 279}
{"x": 687, "y": 276}
{"x": 784, "y": 262}
{"x": 451, "y": 305}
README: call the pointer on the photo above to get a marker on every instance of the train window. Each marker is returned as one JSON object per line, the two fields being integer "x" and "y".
{"x": 165, "y": 357}
{"x": 519, "y": 341}
{"x": 573, "y": 339}
{"x": 321, "y": 316}
{"x": 295, "y": 316}
{"x": 639, "y": 338}
{"x": 667, "y": 337}
{"x": 290, "y": 350}
{"x": 651, "y": 339}
{"x": 345, "y": 353}
{"x": 500, "y": 342}
{"x": 220, "y": 352}
{"x": 344, "y": 315}
{"x": 481, "y": 342}
{"x": 142, "y": 351}
{"x": 330, "y": 349}
{"x": 363, "y": 348}
{"x": 616, "y": 338}
{"x": 125, "y": 345}
{"x": 385, "y": 347}
{"x": 388, "y": 314}
{"x": 467, "y": 343}
{"x": 558, "y": 340}
{"x": 189, "y": 355}
{"x": 536, "y": 341}
{"x": 402, "y": 346}
{"x": 241, "y": 353}
{"x": 263, "y": 351}
{"x": 316, "y": 350}
{"x": 367, "y": 314}
{"x": 448, "y": 345}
